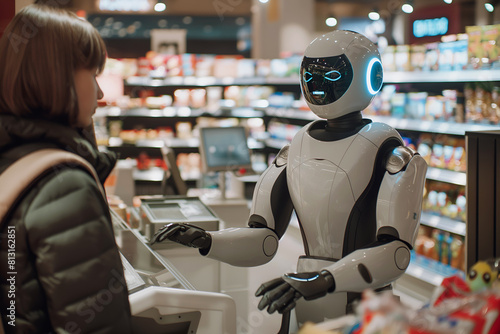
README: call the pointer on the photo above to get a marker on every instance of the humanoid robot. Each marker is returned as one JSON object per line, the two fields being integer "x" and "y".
{"x": 355, "y": 187}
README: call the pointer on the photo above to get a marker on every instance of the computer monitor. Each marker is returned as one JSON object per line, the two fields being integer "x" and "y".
{"x": 224, "y": 149}
{"x": 172, "y": 183}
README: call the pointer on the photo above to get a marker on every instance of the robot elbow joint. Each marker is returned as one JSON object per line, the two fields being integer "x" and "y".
{"x": 270, "y": 245}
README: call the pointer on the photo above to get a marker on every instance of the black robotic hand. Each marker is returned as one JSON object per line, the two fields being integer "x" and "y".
{"x": 280, "y": 294}
{"x": 185, "y": 234}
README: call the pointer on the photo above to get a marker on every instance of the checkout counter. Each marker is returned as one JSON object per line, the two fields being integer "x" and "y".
{"x": 162, "y": 300}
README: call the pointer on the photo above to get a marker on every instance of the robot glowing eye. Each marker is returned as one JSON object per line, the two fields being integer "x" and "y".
{"x": 333, "y": 75}
{"x": 307, "y": 76}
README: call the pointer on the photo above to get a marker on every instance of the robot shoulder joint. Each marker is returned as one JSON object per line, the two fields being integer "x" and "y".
{"x": 282, "y": 157}
{"x": 399, "y": 158}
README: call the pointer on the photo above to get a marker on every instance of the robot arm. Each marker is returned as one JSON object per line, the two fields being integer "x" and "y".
{"x": 249, "y": 246}
{"x": 269, "y": 217}
{"x": 399, "y": 205}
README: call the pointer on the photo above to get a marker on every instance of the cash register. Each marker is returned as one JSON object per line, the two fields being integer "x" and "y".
{"x": 161, "y": 299}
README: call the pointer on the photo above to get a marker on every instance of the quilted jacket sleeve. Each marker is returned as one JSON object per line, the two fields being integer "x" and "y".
{"x": 78, "y": 264}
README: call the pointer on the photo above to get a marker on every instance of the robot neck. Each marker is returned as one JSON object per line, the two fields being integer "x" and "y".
{"x": 338, "y": 128}
{"x": 346, "y": 123}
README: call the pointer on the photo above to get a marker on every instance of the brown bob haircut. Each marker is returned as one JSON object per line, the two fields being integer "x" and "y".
{"x": 39, "y": 52}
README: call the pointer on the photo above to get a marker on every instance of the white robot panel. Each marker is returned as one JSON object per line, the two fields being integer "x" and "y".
{"x": 400, "y": 199}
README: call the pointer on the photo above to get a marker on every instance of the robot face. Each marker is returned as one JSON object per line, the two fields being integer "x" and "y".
{"x": 325, "y": 80}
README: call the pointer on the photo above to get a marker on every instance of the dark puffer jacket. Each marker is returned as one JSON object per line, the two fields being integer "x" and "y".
{"x": 67, "y": 275}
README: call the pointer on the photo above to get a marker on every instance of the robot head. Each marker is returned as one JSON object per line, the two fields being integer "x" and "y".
{"x": 340, "y": 73}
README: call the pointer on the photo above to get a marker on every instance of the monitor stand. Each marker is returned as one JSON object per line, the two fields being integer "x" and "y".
{"x": 221, "y": 193}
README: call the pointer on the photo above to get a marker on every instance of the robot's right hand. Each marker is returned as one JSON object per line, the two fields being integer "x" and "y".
{"x": 185, "y": 234}
{"x": 281, "y": 293}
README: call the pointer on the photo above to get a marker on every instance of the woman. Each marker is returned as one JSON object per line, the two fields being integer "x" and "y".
{"x": 67, "y": 275}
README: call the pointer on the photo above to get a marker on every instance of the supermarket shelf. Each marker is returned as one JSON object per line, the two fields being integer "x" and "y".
{"x": 443, "y": 223}
{"x": 208, "y": 81}
{"x": 432, "y": 126}
{"x": 291, "y": 113}
{"x": 147, "y": 112}
{"x": 448, "y": 176}
{"x": 442, "y": 76}
{"x": 389, "y": 78}
{"x": 429, "y": 270}
{"x": 253, "y": 144}
{"x": 276, "y": 143}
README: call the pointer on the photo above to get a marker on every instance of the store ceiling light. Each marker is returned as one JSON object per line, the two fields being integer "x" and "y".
{"x": 489, "y": 7}
{"x": 448, "y": 1}
{"x": 407, "y": 8}
{"x": 263, "y": 1}
{"x": 160, "y": 6}
{"x": 374, "y": 15}
{"x": 331, "y": 21}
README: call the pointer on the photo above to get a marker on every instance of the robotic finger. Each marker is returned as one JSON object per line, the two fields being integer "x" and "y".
{"x": 271, "y": 291}
{"x": 285, "y": 303}
{"x": 264, "y": 287}
{"x": 185, "y": 234}
{"x": 166, "y": 232}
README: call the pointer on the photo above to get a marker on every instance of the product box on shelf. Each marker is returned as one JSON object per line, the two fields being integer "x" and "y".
{"x": 431, "y": 57}
{"x": 416, "y": 104}
{"x": 398, "y": 105}
{"x": 388, "y": 58}
{"x": 402, "y": 58}
{"x": 490, "y": 42}
{"x": 417, "y": 57}
{"x": 204, "y": 65}
{"x": 226, "y": 66}
{"x": 484, "y": 50}
{"x": 263, "y": 68}
{"x": 445, "y": 199}
{"x": 441, "y": 246}
{"x": 246, "y": 68}
{"x": 475, "y": 48}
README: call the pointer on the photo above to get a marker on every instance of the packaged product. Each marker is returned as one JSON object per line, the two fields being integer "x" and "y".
{"x": 475, "y": 48}
{"x": 388, "y": 58}
{"x": 489, "y": 40}
{"x": 431, "y": 57}
{"x": 398, "y": 105}
{"x": 204, "y": 65}
{"x": 417, "y": 57}
{"x": 460, "y": 54}
{"x": 450, "y": 100}
{"x": 188, "y": 64}
{"x": 424, "y": 147}
{"x": 246, "y": 68}
{"x": 446, "y": 56}
{"x": 416, "y": 104}
{"x": 458, "y": 162}
{"x": 402, "y": 58}
{"x": 226, "y": 66}
{"x": 434, "y": 108}
{"x": 437, "y": 157}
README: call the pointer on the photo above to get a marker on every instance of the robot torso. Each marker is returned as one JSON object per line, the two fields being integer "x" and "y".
{"x": 333, "y": 186}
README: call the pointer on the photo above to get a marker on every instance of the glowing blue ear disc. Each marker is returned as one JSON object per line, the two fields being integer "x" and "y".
{"x": 374, "y": 76}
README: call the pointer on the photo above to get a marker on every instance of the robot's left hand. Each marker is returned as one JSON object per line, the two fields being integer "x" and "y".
{"x": 281, "y": 293}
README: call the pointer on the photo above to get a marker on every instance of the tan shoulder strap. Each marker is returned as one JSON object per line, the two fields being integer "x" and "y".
{"x": 24, "y": 171}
